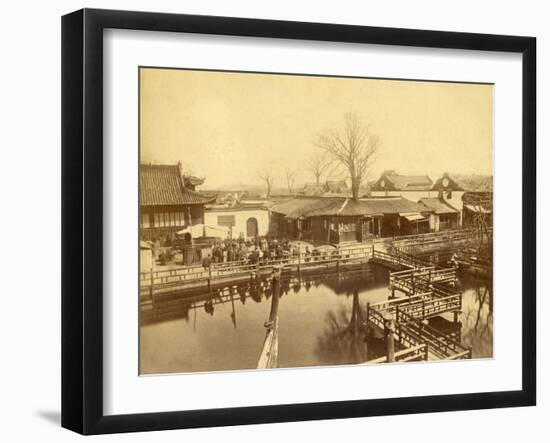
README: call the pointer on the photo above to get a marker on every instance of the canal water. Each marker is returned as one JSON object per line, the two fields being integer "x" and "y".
{"x": 319, "y": 323}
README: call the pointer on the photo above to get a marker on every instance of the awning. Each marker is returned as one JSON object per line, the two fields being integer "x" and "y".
{"x": 479, "y": 209}
{"x": 413, "y": 216}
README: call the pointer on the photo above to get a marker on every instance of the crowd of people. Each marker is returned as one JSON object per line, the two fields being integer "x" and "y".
{"x": 260, "y": 250}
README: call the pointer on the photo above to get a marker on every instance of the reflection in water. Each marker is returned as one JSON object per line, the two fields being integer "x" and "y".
{"x": 321, "y": 322}
{"x": 477, "y": 317}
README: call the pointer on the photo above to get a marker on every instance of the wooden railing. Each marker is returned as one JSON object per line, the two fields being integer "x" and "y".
{"x": 186, "y": 275}
{"x": 410, "y": 330}
{"x": 414, "y": 353}
{"x": 435, "y": 237}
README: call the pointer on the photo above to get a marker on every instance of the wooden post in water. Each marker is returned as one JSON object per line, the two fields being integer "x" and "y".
{"x": 367, "y": 321}
{"x": 337, "y": 259}
{"x": 276, "y": 289}
{"x": 210, "y": 276}
{"x": 388, "y": 336}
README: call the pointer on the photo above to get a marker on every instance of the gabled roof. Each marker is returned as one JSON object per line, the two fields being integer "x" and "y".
{"x": 390, "y": 181}
{"x": 438, "y": 205}
{"x": 445, "y": 182}
{"x": 162, "y": 185}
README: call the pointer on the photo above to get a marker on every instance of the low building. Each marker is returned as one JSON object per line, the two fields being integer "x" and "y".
{"x": 337, "y": 187}
{"x": 166, "y": 204}
{"x": 477, "y": 210}
{"x": 444, "y": 216}
{"x": 464, "y": 192}
{"x": 239, "y": 220}
{"x": 338, "y": 220}
{"x": 450, "y": 190}
{"x": 313, "y": 189}
{"x": 411, "y": 187}
{"x": 331, "y": 188}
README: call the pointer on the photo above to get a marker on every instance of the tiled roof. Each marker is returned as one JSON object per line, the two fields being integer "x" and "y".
{"x": 371, "y": 206}
{"x": 314, "y": 207}
{"x": 301, "y": 207}
{"x": 162, "y": 185}
{"x": 438, "y": 205}
{"x": 473, "y": 182}
{"x": 397, "y": 182}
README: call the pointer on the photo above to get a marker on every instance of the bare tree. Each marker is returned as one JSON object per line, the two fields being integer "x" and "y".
{"x": 290, "y": 179}
{"x": 267, "y": 178}
{"x": 318, "y": 164}
{"x": 353, "y": 147}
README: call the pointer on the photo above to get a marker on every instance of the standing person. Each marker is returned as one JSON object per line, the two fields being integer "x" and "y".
{"x": 224, "y": 253}
{"x": 207, "y": 262}
{"x": 308, "y": 254}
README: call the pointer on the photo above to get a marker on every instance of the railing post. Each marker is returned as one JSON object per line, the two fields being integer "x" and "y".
{"x": 455, "y": 316}
{"x": 151, "y": 288}
{"x": 210, "y": 276}
{"x": 338, "y": 259}
{"x": 388, "y": 335}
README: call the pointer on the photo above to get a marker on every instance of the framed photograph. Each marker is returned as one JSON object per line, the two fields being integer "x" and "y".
{"x": 269, "y": 221}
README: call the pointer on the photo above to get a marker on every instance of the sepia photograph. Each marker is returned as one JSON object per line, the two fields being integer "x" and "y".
{"x": 291, "y": 221}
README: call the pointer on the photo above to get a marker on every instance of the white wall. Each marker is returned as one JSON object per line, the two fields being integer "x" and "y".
{"x": 241, "y": 217}
{"x": 30, "y": 187}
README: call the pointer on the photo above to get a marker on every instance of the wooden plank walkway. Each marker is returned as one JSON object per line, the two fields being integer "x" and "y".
{"x": 429, "y": 292}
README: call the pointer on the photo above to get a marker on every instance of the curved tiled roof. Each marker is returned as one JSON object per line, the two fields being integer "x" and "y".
{"x": 162, "y": 185}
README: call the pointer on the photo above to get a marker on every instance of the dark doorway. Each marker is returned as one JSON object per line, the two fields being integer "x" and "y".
{"x": 252, "y": 227}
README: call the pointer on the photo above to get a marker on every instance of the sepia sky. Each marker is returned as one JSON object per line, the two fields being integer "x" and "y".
{"x": 229, "y": 126}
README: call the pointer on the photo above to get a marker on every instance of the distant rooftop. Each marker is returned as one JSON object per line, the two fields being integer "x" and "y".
{"x": 391, "y": 181}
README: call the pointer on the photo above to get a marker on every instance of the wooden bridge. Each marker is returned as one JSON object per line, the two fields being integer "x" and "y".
{"x": 429, "y": 292}
{"x": 196, "y": 276}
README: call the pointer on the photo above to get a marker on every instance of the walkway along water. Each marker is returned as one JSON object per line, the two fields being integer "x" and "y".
{"x": 429, "y": 292}
{"x": 171, "y": 280}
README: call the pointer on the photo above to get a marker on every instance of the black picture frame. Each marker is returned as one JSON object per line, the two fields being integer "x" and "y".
{"x": 82, "y": 218}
